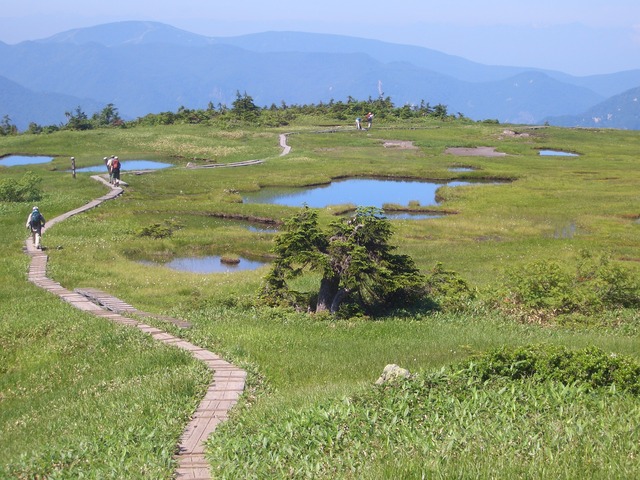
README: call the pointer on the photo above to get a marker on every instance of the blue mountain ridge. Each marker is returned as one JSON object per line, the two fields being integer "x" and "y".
{"x": 148, "y": 67}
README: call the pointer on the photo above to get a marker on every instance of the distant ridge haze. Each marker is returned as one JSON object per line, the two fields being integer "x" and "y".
{"x": 149, "y": 67}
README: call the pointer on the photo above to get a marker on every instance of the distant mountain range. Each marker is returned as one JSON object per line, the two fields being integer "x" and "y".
{"x": 148, "y": 67}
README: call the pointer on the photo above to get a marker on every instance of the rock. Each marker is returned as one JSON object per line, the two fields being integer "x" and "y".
{"x": 391, "y": 373}
{"x": 230, "y": 260}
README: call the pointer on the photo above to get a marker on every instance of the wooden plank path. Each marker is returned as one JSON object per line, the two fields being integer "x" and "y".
{"x": 286, "y": 149}
{"x": 116, "y": 305}
{"x": 228, "y": 380}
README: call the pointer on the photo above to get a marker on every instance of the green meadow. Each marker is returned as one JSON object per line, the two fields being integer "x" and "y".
{"x": 83, "y": 398}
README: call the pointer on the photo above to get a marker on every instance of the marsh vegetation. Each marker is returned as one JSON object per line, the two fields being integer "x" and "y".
{"x": 83, "y": 397}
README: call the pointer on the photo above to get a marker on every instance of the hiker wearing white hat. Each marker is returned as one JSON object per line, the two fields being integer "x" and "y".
{"x": 36, "y": 222}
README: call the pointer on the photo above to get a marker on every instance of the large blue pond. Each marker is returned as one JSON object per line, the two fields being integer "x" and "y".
{"x": 15, "y": 160}
{"x": 128, "y": 166}
{"x": 358, "y": 191}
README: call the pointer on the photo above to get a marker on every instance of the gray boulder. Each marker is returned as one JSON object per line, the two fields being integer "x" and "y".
{"x": 392, "y": 373}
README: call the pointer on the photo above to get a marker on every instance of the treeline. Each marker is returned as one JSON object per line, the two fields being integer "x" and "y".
{"x": 244, "y": 111}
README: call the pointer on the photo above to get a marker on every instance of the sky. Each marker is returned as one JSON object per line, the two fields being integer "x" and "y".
{"x": 579, "y": 37}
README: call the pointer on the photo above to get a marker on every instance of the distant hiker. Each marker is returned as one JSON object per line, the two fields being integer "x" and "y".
{"x": 115, "y": 171}
{"x": 73, "y": 166}
{"x": 36, "y": 222}
{"x": 369, "y": 120}
{"x": 110, "y": 167}
{"x": 358, "y": 123}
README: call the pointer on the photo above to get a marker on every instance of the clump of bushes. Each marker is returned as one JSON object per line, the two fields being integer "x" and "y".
{"x": 159, "y": 230}
{"x": 447, "y": 290}
{"x": 545, "y": 289}
{"x": 590, "y": 367}
{"x": 26, "y": 189}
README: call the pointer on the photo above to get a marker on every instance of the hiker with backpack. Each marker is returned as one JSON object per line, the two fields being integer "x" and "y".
{"x": 36, "y": 222}
{"x": 115, "y": 171}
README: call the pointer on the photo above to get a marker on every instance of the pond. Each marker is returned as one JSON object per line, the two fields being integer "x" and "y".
{"x": 261, "y": 228}
{"x": 411, "y": 215}
{"x": 128, "y": 166}
{"x": 360, "y": 191}
{"x": 557, "y": 153}
{"x": 15, "y": 160}
{"x": 209, "y": 264}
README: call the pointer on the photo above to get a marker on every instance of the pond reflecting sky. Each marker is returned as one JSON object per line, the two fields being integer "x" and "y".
{"x": 15, "y": 160}
{"x": 357, "y": 191}
{"x": 209, "y": 264}
{"x": 557, "y": 153}
{"x": 128, "y": 165}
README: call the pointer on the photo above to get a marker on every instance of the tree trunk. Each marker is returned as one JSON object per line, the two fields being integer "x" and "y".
{"x": 328, "y": 290}
{"x": 337, "y": 299}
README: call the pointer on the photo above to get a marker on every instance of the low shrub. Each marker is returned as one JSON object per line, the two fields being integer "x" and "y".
{"x": 159, "y": 230}
{"x": 545, "y": 289}
{"x": 448, "y": 290}
{"x": 26, "y": 189}
{"x": 591, "y": 367}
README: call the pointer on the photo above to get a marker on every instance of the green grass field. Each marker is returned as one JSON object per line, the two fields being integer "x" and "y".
{"x": 81, "y": 397}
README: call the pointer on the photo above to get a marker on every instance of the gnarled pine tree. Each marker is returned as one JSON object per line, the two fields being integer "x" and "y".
{"x": 354, "y": 258}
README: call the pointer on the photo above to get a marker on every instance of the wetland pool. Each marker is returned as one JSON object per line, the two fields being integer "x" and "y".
{"x": 128, "y": 166}
{"x": 18, "y": 160}
{"x": 358, "y": 191}
{"x": 208, "y": 264}
{"x": 556, "y": 153}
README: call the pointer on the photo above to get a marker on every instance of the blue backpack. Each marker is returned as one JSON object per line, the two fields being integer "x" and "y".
{"x": 36, "y": 219}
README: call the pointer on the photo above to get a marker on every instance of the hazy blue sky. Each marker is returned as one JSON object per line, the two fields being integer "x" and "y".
{"x": 580, "y": 37}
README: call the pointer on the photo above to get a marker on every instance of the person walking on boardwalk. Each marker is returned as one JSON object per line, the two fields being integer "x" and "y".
{"x": 115, "y": 171}
{"x": 109, "y": 169}
{"x": 36, "y": 223}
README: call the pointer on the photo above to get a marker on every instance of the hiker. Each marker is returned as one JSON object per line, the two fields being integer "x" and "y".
{"x": 36, "y": 222}
{"x": 369, "y": 120}
{"x": 358, "y": 123}
{"x": 108, "y": 163}
{"x": 73, "y": 166}
{"x": 115, "y": 171}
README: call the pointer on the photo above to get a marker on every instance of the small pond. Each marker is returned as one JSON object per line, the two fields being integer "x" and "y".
{"x": 209, "y": 264}
{"x": 128, "y": 166}
{"x": 261, "y": 228}
{"x": 15, "y": 160}
{"x": 462, "y": 169}
{"x": 557, "y": 153}
{"x": 360, "y": 191}
{"x": 411, "y": 215}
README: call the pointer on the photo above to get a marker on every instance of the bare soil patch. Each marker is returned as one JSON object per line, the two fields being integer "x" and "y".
{"x": 475, "y": 152}
{"x": 400, "y": 144}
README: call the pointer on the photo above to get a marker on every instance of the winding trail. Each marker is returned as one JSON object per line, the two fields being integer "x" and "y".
{"x": 228, "y": 380}
{"x": 286, "y": 149}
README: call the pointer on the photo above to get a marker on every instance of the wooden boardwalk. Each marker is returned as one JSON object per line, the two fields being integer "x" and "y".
{"x": 228, "y": 380}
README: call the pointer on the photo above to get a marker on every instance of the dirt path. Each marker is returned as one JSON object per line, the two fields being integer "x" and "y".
{"x": 228, "y": 380}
